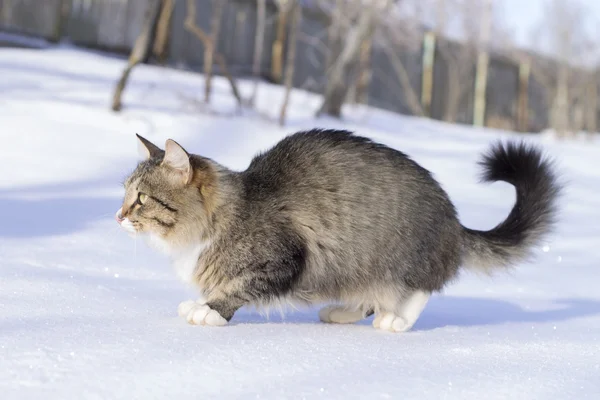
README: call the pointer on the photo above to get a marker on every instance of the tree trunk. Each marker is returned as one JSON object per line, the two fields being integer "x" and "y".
{"x": 358, "y": 91}
{"x": 295, "y": 12}
{"x": 209, "y": 48}
{"x": 259, "y": 39}
{"x": 163, "y": 30}
{"x": 139, "y": 52}
{"x": 336, "y": 88}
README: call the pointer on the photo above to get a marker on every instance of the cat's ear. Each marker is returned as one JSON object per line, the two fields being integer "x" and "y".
{"x": 147, "y": 149}
{"x": 178, "y": 159}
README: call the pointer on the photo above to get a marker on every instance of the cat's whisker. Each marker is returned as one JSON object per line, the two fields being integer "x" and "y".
{"x": 112, "y": 236}
{"x": 135, "y": 264}
{"x": 101, "y": 216}
{"x": 104, "y": 215}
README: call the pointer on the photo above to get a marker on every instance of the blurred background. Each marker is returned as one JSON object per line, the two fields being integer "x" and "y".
{"x": 524, "y": 66}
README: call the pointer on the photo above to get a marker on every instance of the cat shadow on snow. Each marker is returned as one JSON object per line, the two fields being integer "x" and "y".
{"x": 445, "y": 311}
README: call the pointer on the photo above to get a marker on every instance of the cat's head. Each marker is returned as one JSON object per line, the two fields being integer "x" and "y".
{"x": 168, "y": 196}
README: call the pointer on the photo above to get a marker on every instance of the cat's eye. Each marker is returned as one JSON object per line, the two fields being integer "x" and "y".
{"x": 142, "y": 197}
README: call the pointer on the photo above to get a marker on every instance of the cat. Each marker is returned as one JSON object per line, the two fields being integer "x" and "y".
{"x": 327, "y": 216}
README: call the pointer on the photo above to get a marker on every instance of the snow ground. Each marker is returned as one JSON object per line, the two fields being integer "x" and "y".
{"x": 88, "y": 313}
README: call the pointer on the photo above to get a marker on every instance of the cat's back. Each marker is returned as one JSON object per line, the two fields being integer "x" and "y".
{"x": 326, "y": 157}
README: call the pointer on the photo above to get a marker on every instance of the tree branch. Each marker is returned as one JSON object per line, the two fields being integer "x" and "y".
{"x": 192, "y": 27}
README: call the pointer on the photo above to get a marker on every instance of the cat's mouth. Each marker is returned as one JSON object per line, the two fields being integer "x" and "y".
{"x": 125, "y": 223}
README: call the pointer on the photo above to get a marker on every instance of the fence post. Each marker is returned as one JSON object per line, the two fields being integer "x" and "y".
{"x": 592, "y": 103}
{"x": 480, "y": 88}
{"x": 482, "y": 65}
{"x": 277, "y": 52}
{"x": 429, "y": 44}
{"x": 523, "y": 96}
{"x": 64, "y": 8}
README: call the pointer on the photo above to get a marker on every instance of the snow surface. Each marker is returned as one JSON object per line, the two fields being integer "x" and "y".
{"x": 86, "y": 312}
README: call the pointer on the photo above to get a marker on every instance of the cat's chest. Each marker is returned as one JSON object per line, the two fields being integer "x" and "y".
{"x": 185, "y": 262}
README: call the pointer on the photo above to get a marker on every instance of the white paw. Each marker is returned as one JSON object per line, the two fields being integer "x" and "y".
{"x": 339, "y": 315}
{"x": 185, "y": 306}
{"x": 201, "y": 314}
{"x": 391, "y": 322}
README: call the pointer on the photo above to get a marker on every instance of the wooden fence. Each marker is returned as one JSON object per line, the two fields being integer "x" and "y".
{"x": 114, "y": 25}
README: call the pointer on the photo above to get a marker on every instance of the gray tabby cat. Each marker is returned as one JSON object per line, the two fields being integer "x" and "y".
{"x": 326, "y": 216}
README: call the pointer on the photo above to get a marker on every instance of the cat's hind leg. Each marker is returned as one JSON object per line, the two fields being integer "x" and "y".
{"x": 405, "y": 315}
{"x": 338, "y": 314}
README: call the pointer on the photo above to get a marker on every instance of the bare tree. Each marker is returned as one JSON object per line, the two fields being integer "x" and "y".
{"x": 259, "y": 39}
{"x": 459, "y": 57}
{"x": 209, "y": 43}
{"x": 357, "y": 93}
{"x": 295, "y": 11}
{"x": 400, "y": 34}
{"x": 139, "y": 52}
{"x": 367, "y": 15}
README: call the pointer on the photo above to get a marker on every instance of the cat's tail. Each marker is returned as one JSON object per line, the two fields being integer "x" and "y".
{"x": 532, "y": 216}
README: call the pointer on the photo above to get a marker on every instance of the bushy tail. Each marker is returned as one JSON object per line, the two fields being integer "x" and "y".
{"x": 530, "y": 219}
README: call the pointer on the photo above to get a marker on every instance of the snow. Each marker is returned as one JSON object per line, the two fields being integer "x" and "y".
{"x": 89, "y": 313}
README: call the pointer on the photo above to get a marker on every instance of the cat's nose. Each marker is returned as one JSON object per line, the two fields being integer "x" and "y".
{"x": 118, "y": 217}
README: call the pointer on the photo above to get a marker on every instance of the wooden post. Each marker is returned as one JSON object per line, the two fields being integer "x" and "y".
{"x": 295, "y": 11}
{"x": 429, "y": 44}
{"x": 482, "y": 66}
{"x": 277, "y": 52}
{"x": 592, "y": 104}
{"x": 211, "y": 45}
{"x": 259, "y": 39}
{"x": 480, "y": 89}
{"x": 523, "y": 96}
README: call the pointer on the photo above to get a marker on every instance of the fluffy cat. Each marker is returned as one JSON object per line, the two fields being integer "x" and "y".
{"x": 326, "y": 216}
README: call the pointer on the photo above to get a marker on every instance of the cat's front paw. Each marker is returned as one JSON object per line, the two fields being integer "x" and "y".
{"x": 185, "y": 307}
{"x": 201, "y": 314}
